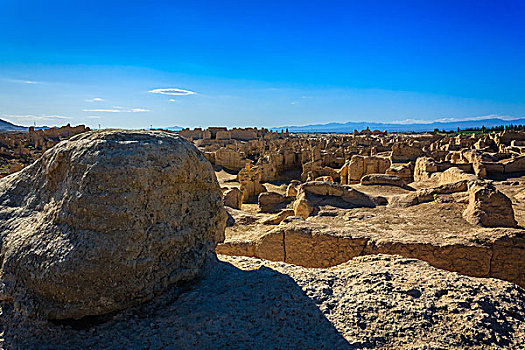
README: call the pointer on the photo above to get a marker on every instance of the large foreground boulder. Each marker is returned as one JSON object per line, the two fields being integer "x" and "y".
{"x": 105, "y": 221}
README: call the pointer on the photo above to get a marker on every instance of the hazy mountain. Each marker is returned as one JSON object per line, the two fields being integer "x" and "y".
{"x": 392, "y": 127}
{"x": 7, "y": 126}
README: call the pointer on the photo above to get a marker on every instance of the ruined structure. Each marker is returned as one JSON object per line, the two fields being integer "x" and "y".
{"x": 19, "y": 149}
{"x": 414, "y": 190}
{"x": 417, "y": 241}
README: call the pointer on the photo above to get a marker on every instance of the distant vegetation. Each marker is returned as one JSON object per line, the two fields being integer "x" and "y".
{"x": 484, "y": 130}
{"x": 440, "y": 126}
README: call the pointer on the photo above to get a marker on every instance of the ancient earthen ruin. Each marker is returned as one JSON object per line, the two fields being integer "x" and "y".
{"x": 451, "y": 200}
{"x": 19, "y": 149}
{"x": 336, "y": 241}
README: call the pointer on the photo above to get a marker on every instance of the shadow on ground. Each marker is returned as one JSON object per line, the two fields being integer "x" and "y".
{"x": 230, "y": 308}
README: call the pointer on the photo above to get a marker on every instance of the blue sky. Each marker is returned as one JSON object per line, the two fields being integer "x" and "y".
{"x": 259, "y": 63}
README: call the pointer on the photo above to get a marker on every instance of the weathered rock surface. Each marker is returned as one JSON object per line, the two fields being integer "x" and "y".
{"x": 279, "y": 217}
{"x": 382, "y": 179}
{"x": 291, "y": 190}
{"x": 233, "y": 198}
{"x": 302, "y": 206}
{"x": 427, "y": 194}
{"x": 314, "y": 169}
{"x": 404, "y": 171}
{"x": 360, "y": 166}
{"x": 105, "y": 221}
{"x": 381, "y": 302}
{"x": 21, "y": 148}
{"x": 250, "y": 180}
{"x": 324, "y": 178}
{"x": 424, "y": 168}
{"x": 455, "y": 174}
{"x": 402, "y": 152}
{"x": 315, "y": 193}
{"x": 229, "y": 159}
{"x": 489, "y": 207}
{"x": 271, "y": 202}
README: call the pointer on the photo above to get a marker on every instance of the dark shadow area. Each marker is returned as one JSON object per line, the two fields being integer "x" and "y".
{"x": 505, "y": 177}
{"x": 340, "y": 202}
{"x": 276, "y": 182}
{"x": 289, "y": 175}
{"x": 228, "y": 171}
{"x": 84, "y": 322}
{"x": 230, "y": 308}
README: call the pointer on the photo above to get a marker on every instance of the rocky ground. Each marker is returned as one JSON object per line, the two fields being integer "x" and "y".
{"x": 379, "y": 301}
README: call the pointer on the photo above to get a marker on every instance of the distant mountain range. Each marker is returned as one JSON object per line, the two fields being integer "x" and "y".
{"x": 351, "y": 126}
{"x": 398, "y": 127}
{"x": 7, "y": 126}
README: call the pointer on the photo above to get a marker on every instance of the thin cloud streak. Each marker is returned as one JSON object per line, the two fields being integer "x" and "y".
{"x": 117, "y": 110}
{"x": 172, "y": 91}
{"x": 103, "y": 110}
{"x": 22, "y": 81}
{"x": 36, "y": 117}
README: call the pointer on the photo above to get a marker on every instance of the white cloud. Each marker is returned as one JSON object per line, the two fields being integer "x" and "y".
{"x": 96, "y": 99}
{"x": 33, "y": 117}
{"x": 412, "y": 121}
{"x": 172, "y": 100}
{"x": 483, "y": 117}
{"x": 104, "y": 110}
{"x": 93, "y": 117}
{"x": 22, "y": 81}
{"x": 172, "y": 91}
{"x": 117, "y": 109}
